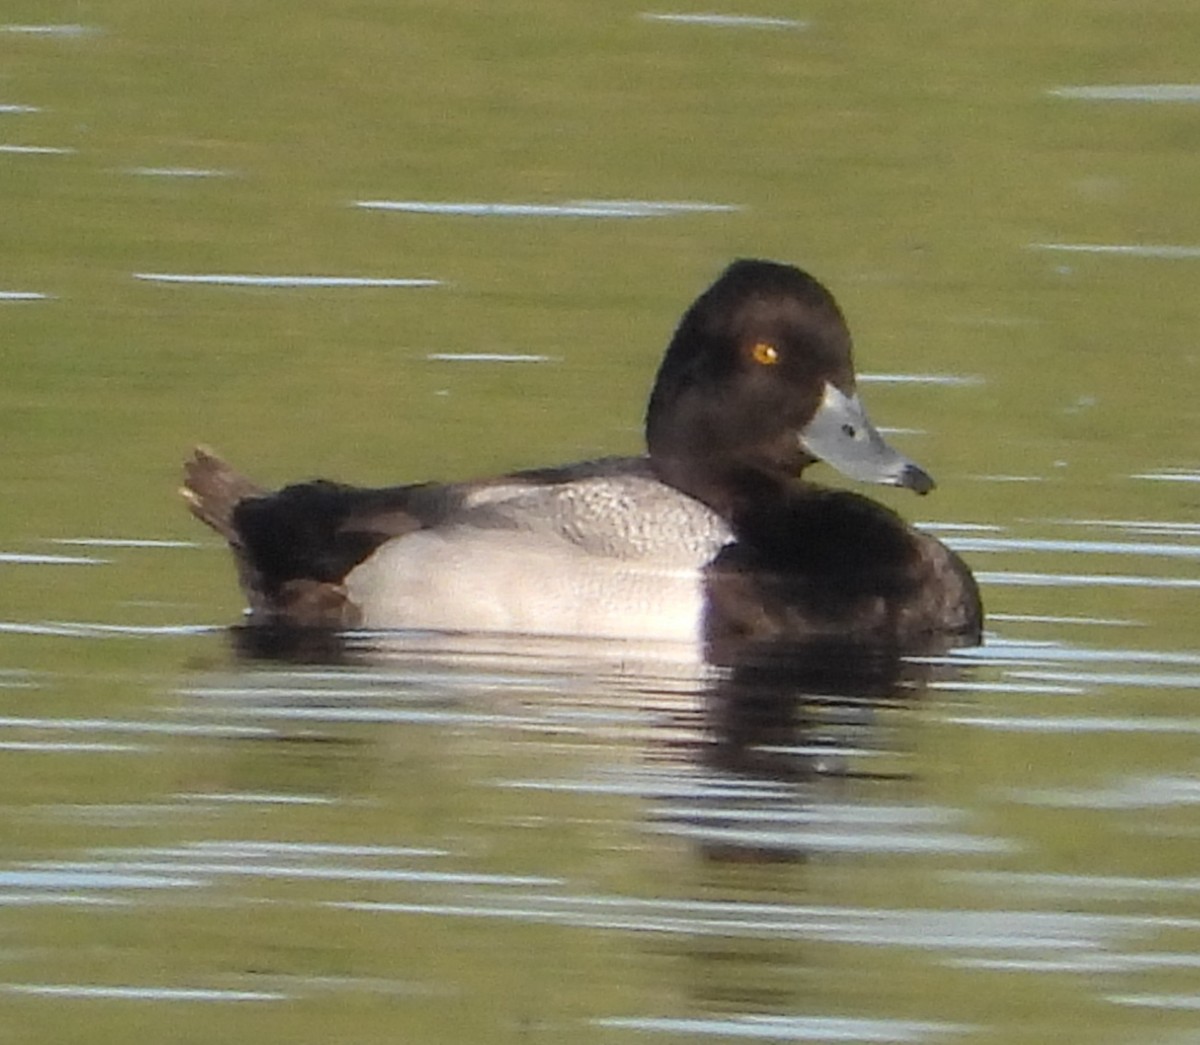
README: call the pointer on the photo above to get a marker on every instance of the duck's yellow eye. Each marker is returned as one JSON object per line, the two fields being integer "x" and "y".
{"x": 765, "y": 353}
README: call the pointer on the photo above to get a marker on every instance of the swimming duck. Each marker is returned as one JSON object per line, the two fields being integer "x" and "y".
{"x": 711, "y": 536}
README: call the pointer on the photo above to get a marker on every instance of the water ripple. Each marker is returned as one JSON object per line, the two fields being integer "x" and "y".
{"x": 486, "y": 357}
{"x": 1057, "y": 886}
{"x": 51, "y": 560}
{"x": 189, "y": 994}
{"x": 38, "y": 150}
{"x": 568, "y": 209}
{"x": 112, "y": 725}
{"x": 240, "y": 868}
{"x": 1171, "y": 475}
{"x": 1077, "y": 724}
{"x": 1187, "y": 1002}
{"x": 955, "y": 931}
{"x": 177, "y": 172}
{"x": 123, "y": 542}
{"x": 790, "y": 1028}
{"x": 1015, "y": 544}
{"x": 49, "y": 30}
{"x": 1135, "y": 250}
{"x": 1138, "y": 793}
{"x": 1114, "y": 678}
{"x": 723, "y": 21}
{"x": 1030, "y": 579}
{"x": 238, "y": 280}
{"x": 945, "y": 380}
{"x": 1132, "y": 92}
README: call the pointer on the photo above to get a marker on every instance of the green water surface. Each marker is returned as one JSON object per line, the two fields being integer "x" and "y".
{"x": 910, "y": 155}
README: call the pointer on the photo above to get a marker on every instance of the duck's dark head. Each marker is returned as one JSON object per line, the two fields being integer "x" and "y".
{"x": 759, "y": 381}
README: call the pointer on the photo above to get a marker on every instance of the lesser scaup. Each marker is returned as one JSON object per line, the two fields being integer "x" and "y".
{"x": 712, "y": 535}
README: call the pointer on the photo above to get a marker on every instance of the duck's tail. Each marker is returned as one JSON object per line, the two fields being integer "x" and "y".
{"x": 212, "y": 489}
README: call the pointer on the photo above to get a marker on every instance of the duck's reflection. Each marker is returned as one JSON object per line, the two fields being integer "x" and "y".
{"x": 738, "y": 771}
{"x": 760, "y": 751}
{"x": 797, "y": 741}
{"x": 775, "y": 713}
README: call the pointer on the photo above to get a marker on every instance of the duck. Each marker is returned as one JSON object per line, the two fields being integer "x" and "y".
{"x": 712, "y": 536}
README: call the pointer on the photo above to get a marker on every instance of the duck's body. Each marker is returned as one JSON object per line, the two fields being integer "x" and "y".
{"x": 600, "y": 549}
{"x": 712, "y": 536}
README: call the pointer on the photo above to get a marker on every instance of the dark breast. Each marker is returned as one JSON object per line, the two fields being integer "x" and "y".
{"x": 830, "y": 565}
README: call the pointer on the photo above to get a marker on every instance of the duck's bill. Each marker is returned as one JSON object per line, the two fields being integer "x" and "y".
{"x": 842, "y": 435}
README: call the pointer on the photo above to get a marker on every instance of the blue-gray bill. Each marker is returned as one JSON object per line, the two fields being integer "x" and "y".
{"x": 841, "y": 434}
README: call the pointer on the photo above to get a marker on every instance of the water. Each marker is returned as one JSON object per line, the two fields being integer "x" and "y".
{"x": 450, "y": 840}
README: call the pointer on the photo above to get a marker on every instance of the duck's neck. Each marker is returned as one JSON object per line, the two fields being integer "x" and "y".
{"x": 794, "y": 523}
{"x": 729, "y": 487}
